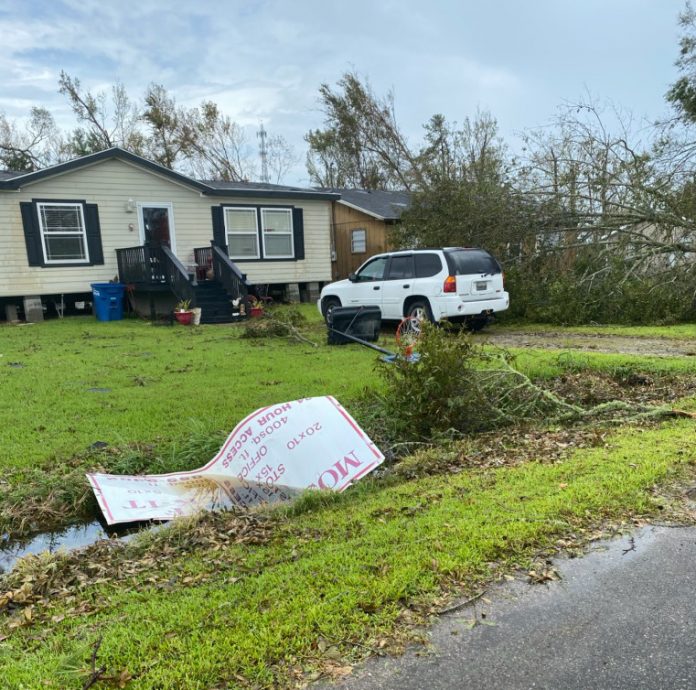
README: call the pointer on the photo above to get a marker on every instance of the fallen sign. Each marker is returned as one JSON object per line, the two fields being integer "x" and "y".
{"x": 272, "y": 455}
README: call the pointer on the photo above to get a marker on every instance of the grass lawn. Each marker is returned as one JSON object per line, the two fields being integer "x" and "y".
{"x": 67, "y": 384}
{"x": 273, "y": 597}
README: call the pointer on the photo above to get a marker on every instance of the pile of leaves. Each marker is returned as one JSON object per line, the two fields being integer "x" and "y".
{"x": 493, "y": 450}
{"x": 28, "y": 590}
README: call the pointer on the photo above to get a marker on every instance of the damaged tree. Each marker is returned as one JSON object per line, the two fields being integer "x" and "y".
{"x": 458, "y": 387}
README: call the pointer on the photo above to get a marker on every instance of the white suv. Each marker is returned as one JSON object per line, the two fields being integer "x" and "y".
{"x": 462, "y": 285}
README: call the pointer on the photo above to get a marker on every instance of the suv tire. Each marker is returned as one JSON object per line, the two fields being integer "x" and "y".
{"x": 478, "y": 323}
{"x": 420, "y": 309}
{"x": 328, "y": 304}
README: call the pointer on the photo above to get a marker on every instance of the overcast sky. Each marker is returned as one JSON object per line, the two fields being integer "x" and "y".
{"x": 263, "y": 60}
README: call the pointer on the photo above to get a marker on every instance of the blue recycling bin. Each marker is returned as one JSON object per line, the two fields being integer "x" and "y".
{"x": 108, "y": 301}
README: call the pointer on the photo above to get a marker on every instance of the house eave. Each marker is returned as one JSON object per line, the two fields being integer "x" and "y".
{"x": 271, "y": 193}
{"x": 92, "y": 158}
{"x": 362, "y": 210}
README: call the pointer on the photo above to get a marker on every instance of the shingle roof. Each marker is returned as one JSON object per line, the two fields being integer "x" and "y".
{"x": 8, "y": 174}
{"x": 16, "y": 180}
{"x": 383, "y": 204}
{"x": 264, "y": 189}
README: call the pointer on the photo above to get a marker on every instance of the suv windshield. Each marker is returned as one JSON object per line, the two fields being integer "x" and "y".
{"x": 472, "y": 261}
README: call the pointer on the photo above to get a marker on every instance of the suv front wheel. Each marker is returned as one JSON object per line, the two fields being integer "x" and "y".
{"x": 328, "y": 304}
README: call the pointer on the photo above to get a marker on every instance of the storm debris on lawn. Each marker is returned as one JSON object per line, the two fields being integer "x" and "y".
{"x": 491, "y": 450}
{"x": 285, "y": 323}
{"x": 593, "y": 388}
{"x": 542, "y": 573}
{"x": 39, "y": 581}
{"x": 270, "y": 456}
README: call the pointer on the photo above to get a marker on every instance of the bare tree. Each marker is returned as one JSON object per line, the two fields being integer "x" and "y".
{"x": 37, "y": 144}
{"x": 220, "y": 149}
{"x": 104, "y": 121}
{"x": 281, "y": 157}
{"x": 608, "y": 203}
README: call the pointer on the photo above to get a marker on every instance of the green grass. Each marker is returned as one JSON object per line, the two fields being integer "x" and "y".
{"x": 683, "y": 331}
{"x": 173, "y": 394}
{"x": 335, "y": 574}
{"x": 162, "y": 383}
{"x": 342, "y": 572}
{"x": 545, "y": 364}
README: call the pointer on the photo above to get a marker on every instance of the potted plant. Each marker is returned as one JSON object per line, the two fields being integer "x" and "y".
{"x": 183, "y": 312}
{"x": 255, "y": 307}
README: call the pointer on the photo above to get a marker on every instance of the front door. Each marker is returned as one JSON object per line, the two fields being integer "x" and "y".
{"x": 157, "y": 231}
{"x": 156, "y": 226}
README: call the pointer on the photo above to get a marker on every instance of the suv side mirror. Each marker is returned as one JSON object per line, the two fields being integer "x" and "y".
{"x": 353, "y": 278}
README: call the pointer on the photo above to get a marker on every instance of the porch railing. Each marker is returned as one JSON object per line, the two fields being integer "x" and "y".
{"x": 141, "y": 265}
{"x": 203, "y": 256}
{"x": 178, "y": 277}
{"x": 147, "y": 266}
{"x": 228, "y": 275}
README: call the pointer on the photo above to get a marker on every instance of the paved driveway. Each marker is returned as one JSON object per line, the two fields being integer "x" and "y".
{"x": 619, "y": 618}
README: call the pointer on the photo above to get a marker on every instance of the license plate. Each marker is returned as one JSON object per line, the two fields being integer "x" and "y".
{"x": 481, "y": 285}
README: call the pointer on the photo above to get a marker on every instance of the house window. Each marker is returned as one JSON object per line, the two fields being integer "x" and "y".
{"x": 276, "y": 225}
{"x": 358, "y": 241}
{"x": 242, "y": 233}
{"x": 63, "y": 233}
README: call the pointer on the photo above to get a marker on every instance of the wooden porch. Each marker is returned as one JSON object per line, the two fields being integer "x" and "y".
{"x": 211, "y": 285}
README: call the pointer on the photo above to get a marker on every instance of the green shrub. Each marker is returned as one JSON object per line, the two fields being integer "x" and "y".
{"x": 441, "y": 393}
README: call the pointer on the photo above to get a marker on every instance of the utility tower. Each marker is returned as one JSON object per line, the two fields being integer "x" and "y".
{"x": 263, "y": 151}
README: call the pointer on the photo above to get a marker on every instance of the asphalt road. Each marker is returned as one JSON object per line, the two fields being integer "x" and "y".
{"x": 617, "y": 619}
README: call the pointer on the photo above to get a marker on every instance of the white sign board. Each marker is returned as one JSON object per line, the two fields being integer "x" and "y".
{"x": 273, "y": 454}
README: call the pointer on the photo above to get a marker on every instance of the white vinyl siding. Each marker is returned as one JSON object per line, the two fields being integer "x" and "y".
{"x": 276, "y": 225}
{"x": 117, "y": 187}
{"x": 242, "y": 233}
{"x": 63, "y": 233}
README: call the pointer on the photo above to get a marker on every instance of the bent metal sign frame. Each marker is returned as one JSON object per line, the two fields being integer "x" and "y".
{"x": 270, "y": 456}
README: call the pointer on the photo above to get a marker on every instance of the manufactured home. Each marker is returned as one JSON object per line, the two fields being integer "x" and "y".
{"x": 114, "y": 215}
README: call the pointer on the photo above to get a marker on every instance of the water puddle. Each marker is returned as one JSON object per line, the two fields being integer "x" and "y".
{"x": 75, "y": 537}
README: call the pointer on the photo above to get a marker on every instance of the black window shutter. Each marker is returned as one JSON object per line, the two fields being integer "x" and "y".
{"x": 32, "y": 235}
{"x": 219, "y": 228}
{"x": 298, "y": 232}
{"x": 94, "y": 243}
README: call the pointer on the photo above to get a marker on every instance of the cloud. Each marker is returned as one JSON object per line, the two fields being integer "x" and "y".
{"x": 265, "y": 59}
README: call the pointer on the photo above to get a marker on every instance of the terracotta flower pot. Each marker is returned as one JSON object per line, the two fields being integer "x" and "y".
{"x": 184, "y": 317}
{"x": 256, "y": 311}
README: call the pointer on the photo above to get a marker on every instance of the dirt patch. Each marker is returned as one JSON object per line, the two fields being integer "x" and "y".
{"x": 660, "y": 347}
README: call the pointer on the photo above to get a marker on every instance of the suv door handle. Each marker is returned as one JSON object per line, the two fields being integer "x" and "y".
{"x": 376, "y": 287}
{"x": 406, "y": 286}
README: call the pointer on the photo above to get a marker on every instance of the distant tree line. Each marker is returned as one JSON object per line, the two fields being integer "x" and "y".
{"x": 201, "y": 141}
{"x": 594, "y": 217}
